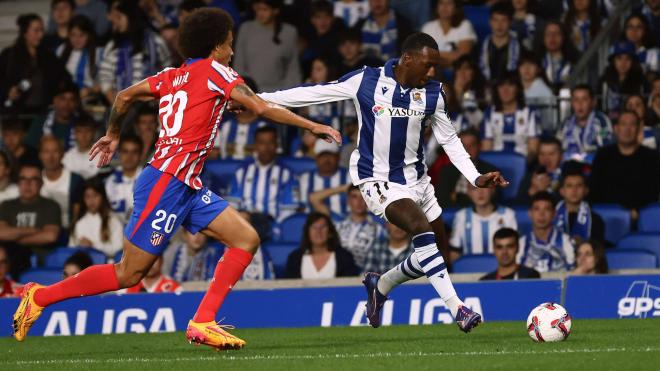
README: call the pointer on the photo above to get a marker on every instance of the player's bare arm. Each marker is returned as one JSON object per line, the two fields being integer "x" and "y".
{"x": 248, "y": 99}
{"x": 106, "y": 146}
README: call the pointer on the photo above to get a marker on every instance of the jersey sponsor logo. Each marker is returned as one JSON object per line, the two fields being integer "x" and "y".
{"x": 168, "y": 141}
{"x": 395, "y": 112}
{"x": 156, "y": 238}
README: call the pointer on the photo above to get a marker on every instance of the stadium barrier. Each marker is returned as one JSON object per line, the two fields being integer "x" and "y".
{"x": 613, "y": 296}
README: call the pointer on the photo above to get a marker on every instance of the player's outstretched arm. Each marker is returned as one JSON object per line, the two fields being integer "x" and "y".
{"x": 247, "y": 98}
{"x": 107, "y": 145}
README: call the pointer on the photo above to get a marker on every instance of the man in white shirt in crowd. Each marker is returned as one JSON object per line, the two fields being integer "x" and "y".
{"x": 76, "y": 159}
{"x": 59, "y": 184}
{"x": 119, "y": 185}
{"x": 8, "y": 189}
{"x": 475, "y": 226}
{"x": 358, "y": 232}
{"x": 328, "y": 174}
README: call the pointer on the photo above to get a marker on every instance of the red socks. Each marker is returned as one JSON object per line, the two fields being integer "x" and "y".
{"x": 230, "y": 268}
{"x": 94, "y": 280}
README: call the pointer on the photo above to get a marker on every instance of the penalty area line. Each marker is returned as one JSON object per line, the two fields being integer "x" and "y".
{"x": 288, "y": 357}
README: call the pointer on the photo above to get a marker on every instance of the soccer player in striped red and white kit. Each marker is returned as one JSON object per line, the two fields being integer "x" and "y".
{"x": 169, "y": 192}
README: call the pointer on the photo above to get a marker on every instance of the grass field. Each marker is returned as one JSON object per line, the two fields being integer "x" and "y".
{"x": 593, "y": 345}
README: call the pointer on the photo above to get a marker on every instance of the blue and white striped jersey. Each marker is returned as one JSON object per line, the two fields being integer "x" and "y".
{"x": 510, "y": 132}
{"x": 264, "y": 189}
{"x": 119, "y": 189}
{"x": 555, "y": 254}
{"x": 236, "y": 139}
{"x": 391, "y": 119}
{"x": 473, "y": 233}
{"x": 312, "y": 181}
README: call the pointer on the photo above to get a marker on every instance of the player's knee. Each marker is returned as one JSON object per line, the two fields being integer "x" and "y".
{"x": 250, "y": 241}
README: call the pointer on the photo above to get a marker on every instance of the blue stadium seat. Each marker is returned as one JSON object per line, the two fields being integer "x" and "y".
{"x": 616, "y": 219}
{"x": 57, "y": 257}
{"x": 44, "y": 276}
{"x": 478, "y": 16}
{"x": 219, "y": 174}
{"x": 512, "y": 166}
{"x": 641, "y": 241}
{"x": 448, "y": 215}
{"x": 631, "y": 259}
{"x": 279, "y": 253}
{"x": 649, "y": 218}
{"x": 522, "y": 217}
{"x": 291, "y": 228}
{"x": 475, "y": 264}
{"x": 298, "y": 165}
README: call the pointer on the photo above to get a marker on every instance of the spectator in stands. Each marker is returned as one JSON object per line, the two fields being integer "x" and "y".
{"x": 474, "y": 226}
{"x": 155, "y": 281}
{"x": 534, "y": 82}
{"x": 466, "y": 95}
{"x": 587, "y": 130}
{"x": 545, "y": 175}
{"x": 31, "y": 72}
{"x": 590, "y": 259}
{"x": 133, "y": 52}
{"x": 191, "y": 258}
{"x": 119, "y": 185}
{"x": 188, "y": 6}
{"x": 76, "y": 263}
{"x": 320, "y": 254}
{"x": 505, "y": 249}
{"x": 558, "y": 54}
{"x": 322, "y": 36}
{"x": 352, "y": 56}
{"x": 636, "y": 104}
{"x": 453, "y": 33}
{"x": 29, "y": 223}
{"x": 13, "y": 141}
{"x": 59, "y": 120}
{"x": 97, "y": 12}
{"x": 545, "y": 248}
{"x": 626, "y": 173}
{"x": 654, "y": 103}
{"x": 501, "y": 49}
{"x": 307, "y": 142}
{"x": 81, "y": 55}
{"x": 59, "y": 184}
{"x": 389, "y": 250}
{"x": 8, "y": 286}
{"x": 637, "y": 32}
{"x": 61, "y": 12}
{"x": 351, "y": 11}
{"x": 170, "y": 34}
{"x": 524, "y": 23}
{"x": 358, "y": 232}
{"x": 509, "y": 125}
{"x": 264, "y": 186}
{"x": 96, "y": 225}
{"x": 328, "y": 174}
{"x": 76, "y": 159}
{"x": 267, "y": 38}
{"x": 158, "y": 14}
{"x": 623, "y": 76}
{"x": 574, "y": 215}
{"x": 583, "y": 20}
{"x": 451, "y": 190}
{"x": 383, "y": 30}
{"x": 8, "y": 189}
{"x": 146, "y": 128}
{"x": 651, "y": 11}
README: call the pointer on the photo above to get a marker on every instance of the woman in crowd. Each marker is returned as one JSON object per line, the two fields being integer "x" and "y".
{"x": 533, "y": 79}
{"x": 583, "y": 20}
{"x": 637, "y": 32}
{"x": 636, "y": 104}
{"x": 558, "y": 53}
{"x": 96, "y": 225}
{"x": 453, "y": 33}
{"x": 81, "y": 55}
{"x": 590, "y": 258}
{"x": 623, "y": 76}
{"x": 320, "y": 254}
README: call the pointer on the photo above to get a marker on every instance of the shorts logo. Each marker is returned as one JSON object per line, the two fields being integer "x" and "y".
{"x": 382, "y": 199}
{"x": 206, "y": 198}
{"x": 156, "y": 238}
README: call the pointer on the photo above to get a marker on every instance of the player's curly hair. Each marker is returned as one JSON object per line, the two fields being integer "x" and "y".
{"x": 202, "y": 31}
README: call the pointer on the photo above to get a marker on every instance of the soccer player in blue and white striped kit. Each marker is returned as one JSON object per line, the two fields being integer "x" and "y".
{"x": 395, "y": 104}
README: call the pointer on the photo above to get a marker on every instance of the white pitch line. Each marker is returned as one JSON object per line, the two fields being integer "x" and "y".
{"x": 325, "y": 356}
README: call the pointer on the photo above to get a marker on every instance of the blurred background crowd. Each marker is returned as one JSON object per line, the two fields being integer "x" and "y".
{"x": 563, "y": 97}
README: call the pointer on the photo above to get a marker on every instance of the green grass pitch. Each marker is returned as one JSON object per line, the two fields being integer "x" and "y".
{"x": 593, "y": 345}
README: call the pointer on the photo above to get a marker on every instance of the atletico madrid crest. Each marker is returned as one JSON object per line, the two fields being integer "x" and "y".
{"x": 156, "y": 238}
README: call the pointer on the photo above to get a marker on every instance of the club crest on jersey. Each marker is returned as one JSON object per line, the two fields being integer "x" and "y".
{"x": 417, "y": 97}
{"x": 382, "y": 199}
{"x": 379, "y": 110}
{"x": 156, "y": 238}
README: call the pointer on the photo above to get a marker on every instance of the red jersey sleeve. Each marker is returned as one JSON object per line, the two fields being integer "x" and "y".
{"x": 223, "y": 79}
{"x": 156, "y": 81}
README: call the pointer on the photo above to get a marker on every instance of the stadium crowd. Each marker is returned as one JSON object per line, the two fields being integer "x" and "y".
{"x": 61, "y": 75}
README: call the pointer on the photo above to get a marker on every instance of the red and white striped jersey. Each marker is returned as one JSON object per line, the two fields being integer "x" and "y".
{"x": 192, "y": 100}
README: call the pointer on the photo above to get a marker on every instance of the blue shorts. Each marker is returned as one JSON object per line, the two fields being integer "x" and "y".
{"x": 162, "y": 203}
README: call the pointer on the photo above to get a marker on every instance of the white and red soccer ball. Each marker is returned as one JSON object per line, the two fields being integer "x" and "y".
{"x": 549, "y": 322}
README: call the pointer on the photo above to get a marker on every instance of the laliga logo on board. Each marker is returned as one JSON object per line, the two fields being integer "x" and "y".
{"x": 641, "y": 301}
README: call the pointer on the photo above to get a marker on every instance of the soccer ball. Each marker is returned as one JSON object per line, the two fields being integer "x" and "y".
{"x": 549, "y": 322}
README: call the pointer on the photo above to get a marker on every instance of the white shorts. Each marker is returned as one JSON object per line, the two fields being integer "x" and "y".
{"x": 378, "y": 195}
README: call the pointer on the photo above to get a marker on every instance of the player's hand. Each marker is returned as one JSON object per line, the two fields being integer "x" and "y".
{"x": 235, "y": 107}
{"x": 104, "y": 148}
{"x": 491, "y": 180}
{"x": 326, "y": 133}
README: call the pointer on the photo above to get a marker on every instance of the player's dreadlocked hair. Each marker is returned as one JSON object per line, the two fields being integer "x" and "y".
{"x": 202, "y": 31}
{"x": 417, "y": 41}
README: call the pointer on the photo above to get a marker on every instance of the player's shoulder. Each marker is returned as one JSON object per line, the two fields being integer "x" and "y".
{"x": 225, "y": 72}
